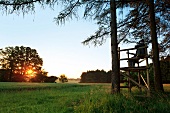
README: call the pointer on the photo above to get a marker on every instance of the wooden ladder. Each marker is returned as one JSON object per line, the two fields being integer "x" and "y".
{"x": 137, "y": 69}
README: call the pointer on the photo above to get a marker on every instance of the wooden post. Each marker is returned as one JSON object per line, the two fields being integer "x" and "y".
{"x": 119, "y": 54}
{"x": 147, "y": 71}
{"x": 139, "y": 79}
{"x": 129, "y": 84}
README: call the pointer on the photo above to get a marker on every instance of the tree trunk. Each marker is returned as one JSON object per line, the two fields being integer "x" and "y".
{"x": 156, "y": 63}
{"x": 114, "y": 50}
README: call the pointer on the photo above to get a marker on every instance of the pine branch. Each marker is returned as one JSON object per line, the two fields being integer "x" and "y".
{"x": 7, "y": 3}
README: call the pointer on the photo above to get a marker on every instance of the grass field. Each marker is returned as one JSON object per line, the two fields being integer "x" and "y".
{"x": 76, "y": 98}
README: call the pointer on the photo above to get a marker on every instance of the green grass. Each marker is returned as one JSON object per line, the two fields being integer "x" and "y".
{"x": 76, "y": 98}
{"x": 39, "y": 97}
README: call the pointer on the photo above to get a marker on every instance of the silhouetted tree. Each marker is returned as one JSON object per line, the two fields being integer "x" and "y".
{"x": 19, "y": 60}
{"x": 41, "y": 76}
{"x": 4, "y": 75}
{"x": 63, "y": 78}
{"x": 156, "y": 64}
{"x": 50, "y": 79}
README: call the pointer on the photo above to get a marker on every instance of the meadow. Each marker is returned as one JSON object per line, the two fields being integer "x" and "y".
{"x": 76, "y": 98}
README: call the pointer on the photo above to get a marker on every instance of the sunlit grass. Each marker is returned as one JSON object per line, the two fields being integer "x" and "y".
{"x": 167, "y": 87}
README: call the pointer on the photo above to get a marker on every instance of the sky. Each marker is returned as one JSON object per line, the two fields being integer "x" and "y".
{"x": 59, "y": 46}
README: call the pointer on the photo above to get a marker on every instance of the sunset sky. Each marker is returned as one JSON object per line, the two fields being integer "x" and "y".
{"x": 59, "y": 46}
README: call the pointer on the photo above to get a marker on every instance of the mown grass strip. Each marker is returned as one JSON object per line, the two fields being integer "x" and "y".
{"x": 34, "y": 86}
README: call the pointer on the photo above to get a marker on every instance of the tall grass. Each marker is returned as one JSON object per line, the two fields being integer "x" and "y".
{"x": 75, "y": 98}
{"x": 102, "y": 102}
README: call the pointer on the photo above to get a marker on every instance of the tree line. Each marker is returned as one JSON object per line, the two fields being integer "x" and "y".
{"x": 101, "y": 76}
{"x": 98, "y": 76}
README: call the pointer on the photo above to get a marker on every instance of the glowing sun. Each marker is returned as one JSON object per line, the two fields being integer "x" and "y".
{"x": 29, "y": 72}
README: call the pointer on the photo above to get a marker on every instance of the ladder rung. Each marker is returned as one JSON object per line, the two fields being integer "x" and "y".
{"x": 130, "y": 58}
{"x": 123, "y": 81}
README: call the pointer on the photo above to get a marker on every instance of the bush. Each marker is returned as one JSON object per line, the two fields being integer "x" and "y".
{"x": 165, "y": 71}
{"x": 63, "y": 78}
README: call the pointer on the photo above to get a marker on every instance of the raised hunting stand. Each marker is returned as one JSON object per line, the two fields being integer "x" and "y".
{"x": 140, "y": 56}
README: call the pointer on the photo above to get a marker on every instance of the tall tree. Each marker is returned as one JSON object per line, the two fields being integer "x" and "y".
{"x": 156, "y": 63}
{"x": 19, "y": 60}
{"x": 114, "y": 50}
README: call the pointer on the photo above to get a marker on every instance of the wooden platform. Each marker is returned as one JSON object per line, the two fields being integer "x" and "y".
{"x": 134, "y": 69}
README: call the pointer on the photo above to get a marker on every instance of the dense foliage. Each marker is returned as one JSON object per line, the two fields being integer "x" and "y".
{"x": 97, "y": 76}
{"x": 165, "y": 71}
